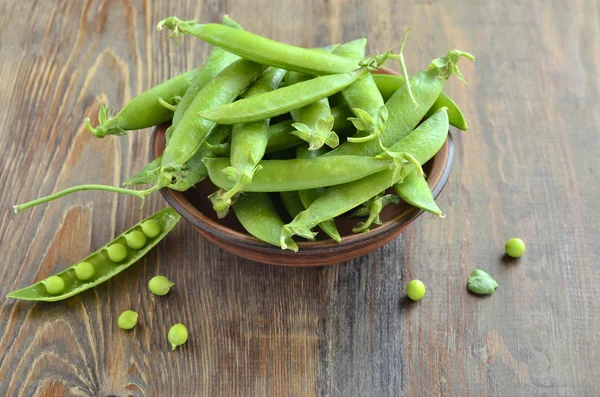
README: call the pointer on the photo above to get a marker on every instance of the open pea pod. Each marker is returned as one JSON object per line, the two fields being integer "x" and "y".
{"x": 99, "y": 267}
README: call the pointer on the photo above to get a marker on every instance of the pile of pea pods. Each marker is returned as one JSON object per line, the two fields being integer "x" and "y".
{"x": 262, "y": 118}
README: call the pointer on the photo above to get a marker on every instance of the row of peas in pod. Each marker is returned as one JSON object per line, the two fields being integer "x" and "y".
{"x": 261, "y": 118}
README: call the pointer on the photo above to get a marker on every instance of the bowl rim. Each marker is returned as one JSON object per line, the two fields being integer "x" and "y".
{"x": 219, "y": 231}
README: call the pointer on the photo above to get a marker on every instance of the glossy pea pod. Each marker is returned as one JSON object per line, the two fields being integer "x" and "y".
{"x": 192, "y": 131}
{"x": 422, "y": 143}
{"x": 98, "y": 266}
{"x": 291, "y": 97}
{"x": 300, "y": 174}
{"x": 414, "y": 189}
{"x": 403, "y": 117}
{"x": 388, "y": 84}
{"x": 262, "y": 50}
{"x": 259, "y": 217}
{"x": 308, "y": 196}
{"x": 292, "y": 203}
{"x": 248, "y": 145}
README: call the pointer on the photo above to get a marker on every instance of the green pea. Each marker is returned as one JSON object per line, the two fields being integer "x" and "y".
{"x": 481, "y": 283}
{"x": 128, "y": 319}
{"x": 415, "y": 290}
{"x": 54, "y": 285}
{"x": 136, "y": 239}
{"x": 515, "y": 247}
{"x": 116, "y": 252}
{"x": 160, "y": 285}
{"x": 84, "y": 271}
{"x": 151, "y": 228}
{"x": 178, "y": 335}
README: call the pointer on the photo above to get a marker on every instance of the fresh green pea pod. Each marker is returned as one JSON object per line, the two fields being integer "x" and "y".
{"x": 388, "y": 84}
{"x": 259, "y": 217}
{"x": 145, "y": 110}
{"x": 313, "y": 123}
{"x": 103, "y": 267}
{"x": 415, "y": 191}
{"x": 248, "y": 145}
{"x": 300, "y": 174}
{"x": 262, "y": 50}
{"x": 292, "y": 203}
{"x": 308, "y": 196}
{"x": 192, "y": 131}
{"x": 403, "y": 116}
{"x": 195, "y": 170}
{"x": 422, "y": 143}
{"x": 218, "y": 59}
{"x": 285, "y": 99}
{"x": 280, "y": 137}
{"x": 363, "y": 98}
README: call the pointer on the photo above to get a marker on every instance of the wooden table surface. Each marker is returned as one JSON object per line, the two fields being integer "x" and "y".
{"x": 527, "y": 167}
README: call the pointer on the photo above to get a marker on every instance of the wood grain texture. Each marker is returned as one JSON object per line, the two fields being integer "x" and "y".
{"x": 527, "y": 167}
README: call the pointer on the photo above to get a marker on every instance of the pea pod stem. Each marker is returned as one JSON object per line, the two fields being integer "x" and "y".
{"x": 107, "y": 188}
{"x": 400, "y": 59}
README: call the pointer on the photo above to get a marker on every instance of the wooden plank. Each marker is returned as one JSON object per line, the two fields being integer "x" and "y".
{"x": 526, "y": 167}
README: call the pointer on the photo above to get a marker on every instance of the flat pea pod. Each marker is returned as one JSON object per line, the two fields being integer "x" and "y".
{"x": 103, "y": 267}
{"x": 308, "y": 196}
{"x": 300, "y": 174}
{"x": 262, "y": 50}
{"x": 218, "y": 59}
{"x": 388, "y": 84}
{"x": 415, "y": 191}
{"x": 422, "y": 143}
{"x": 248, "y": 145}
{"x": 192, "y": 131}
{"x": 258, "y": 215}
{"x": 280, "y": 136}
{"x": 403, "y": 117}
{"x": 285, "y": 99}
{"x": 145, "y": 110}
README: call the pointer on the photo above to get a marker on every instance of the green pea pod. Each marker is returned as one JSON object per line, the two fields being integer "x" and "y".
{"x": 313, "y": 123}
{"x": 192, "y": 131}
{"x": 285, "y": 99}
{"x": 388, "y": 84}
{"x": 300, "y": 174}
{"x": 103, "y": 267}
{"x": 403, "y": 116}
{"x": 415, "y": 191}
{"x": 145, "y": 110}
{"x": 280, "y": 136}
{"x": 292, "y": 203}
{"x": 422, "y": 143}
{"x": 308, "y": 196}
{"x": 248, "y": 145}
{"x": 194, "y": 171}
{"x": 259, "y": 217}
{"x": 363, "y": 97}
{"x": 218, "y": 59}
{"x": 260, "y": 49}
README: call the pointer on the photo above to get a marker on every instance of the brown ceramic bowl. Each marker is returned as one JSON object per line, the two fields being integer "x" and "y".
{"x": 228, "y": 234}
